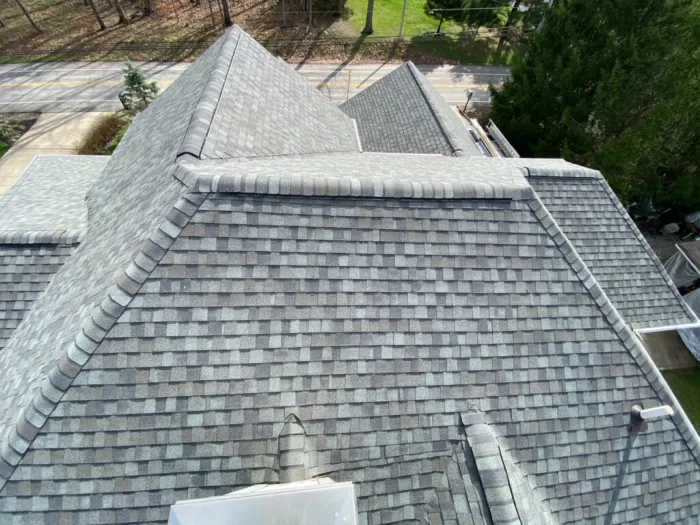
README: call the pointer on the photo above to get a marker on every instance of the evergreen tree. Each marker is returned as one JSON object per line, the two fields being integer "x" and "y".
{"x": 611, "y": 84}
{"x": 137, "y": 93}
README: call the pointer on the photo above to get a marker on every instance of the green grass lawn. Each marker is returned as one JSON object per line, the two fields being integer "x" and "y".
{"x": 3, "y": 148}
{"x": 686, "y": 387}
{"x": 419, "y": 32}
{"x": 387, "y": 18}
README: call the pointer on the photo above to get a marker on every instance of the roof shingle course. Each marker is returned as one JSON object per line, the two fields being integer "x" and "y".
{"x": 402, "y": 113}
{"x": 609, "y": 242}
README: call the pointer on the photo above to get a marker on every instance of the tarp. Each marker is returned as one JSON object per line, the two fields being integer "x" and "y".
{"x": 681, "y": 271}
{"x": 691, "y": 336}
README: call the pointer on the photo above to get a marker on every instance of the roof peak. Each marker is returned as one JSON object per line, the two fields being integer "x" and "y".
{"x": 254, "y": 104}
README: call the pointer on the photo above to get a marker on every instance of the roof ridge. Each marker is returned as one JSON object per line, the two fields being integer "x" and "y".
{"x": 203, "y": 115}
{"x": 426, "y": 90}
{"x": 40, "y": 236}
{"x": 349, "y": 186}
{"x": 572, "y": 171}
{"x": 622, "y": 330}
{"x": 92, "y": 332}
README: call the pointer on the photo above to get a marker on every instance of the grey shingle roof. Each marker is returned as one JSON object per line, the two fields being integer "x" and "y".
{"x": 608, "y": 241}
{"x": 226, "y": 323}
{"x": 49, "y": 198}
{"x": 402, "y": 113}
{"x": 25, "y": 272}
{"x": 42, "y": 218}
{"x": 361, "y": 175}
{"x": 255, "y": 104}
{"x": 377, "y": 322}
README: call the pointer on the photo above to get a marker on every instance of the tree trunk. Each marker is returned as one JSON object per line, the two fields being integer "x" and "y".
{"x": 29, "y": 17}
{"x": 442, "y": 17}
{"x": 509, "y": 22}
{"x": 211, "y": 12}
{"x": 148, "y": 8}
{"x": 97, "y": 15}
{"x": 123, "y": 19}
{"x": 369, "y": 21}
{"x": 340, "y": 6}
{"x": 227, "y": 13}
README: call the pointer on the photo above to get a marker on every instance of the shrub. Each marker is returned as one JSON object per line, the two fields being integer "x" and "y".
{"x": 137, "y": 93}
{"x": 103, "y": 134}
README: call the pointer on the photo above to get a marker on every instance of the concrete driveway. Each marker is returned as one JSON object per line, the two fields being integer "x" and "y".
{"x": 53, "y": 133}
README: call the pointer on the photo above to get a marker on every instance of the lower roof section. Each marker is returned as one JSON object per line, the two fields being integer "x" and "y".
{"x": 25, "y": 272}
{"x": 607, "y": 240}
{"x": 47, "y": 203}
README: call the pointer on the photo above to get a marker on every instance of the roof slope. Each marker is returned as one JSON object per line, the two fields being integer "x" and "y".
{"x": 254, "y": 104}
{"x": 134, "y": 211}
{"x": 49, "y": 197}
{"x": 42, "y": 218}
{"x": 605, "y": 236}
{"x": 402, "y": 113}
{"x": 126, "y": 203}
{"x": 378, "y": 319}
{"x": 25, "y": 272}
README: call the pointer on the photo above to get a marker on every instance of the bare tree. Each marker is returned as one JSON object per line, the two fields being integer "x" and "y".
{"x": 123, "y": 19}
{"x": 29, "y": 17}
{"x": 227, "y": 13}
{"x": 97, "y": 15}
{"x": 369, "y": 25}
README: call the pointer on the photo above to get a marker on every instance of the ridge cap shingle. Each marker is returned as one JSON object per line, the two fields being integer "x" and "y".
{"x": 30, "y": 237}
{"x": 435, "y": 104}
{"x": 412, "y": 182}
{"x": 200, "y": 123}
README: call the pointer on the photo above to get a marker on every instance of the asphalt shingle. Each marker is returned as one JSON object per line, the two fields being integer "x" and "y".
{"x": 610, "y": 244}
{"x": 402, "y": 113}
{"x": 419, "y": 325}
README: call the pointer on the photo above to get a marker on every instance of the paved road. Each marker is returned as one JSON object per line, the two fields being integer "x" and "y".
{"x": 81, "y": 86}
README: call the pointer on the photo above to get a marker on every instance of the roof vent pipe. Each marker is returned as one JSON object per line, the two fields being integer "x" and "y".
{"x": 639, "y": 416}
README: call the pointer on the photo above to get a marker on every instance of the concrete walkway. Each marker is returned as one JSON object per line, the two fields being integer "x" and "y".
{"x": 53, "y": 133}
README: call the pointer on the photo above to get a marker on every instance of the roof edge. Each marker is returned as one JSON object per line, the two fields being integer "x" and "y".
{"x": 92, "y": 332}
{"x": 579, "y": 173}
{"x": 654, "y": 259}
{"x": 430, "y": 97}
{"x": 624, "y": 332}
{"x": 376, "y": 187}
{"x": 29, "y": 237}
{"x": 205, "y": 109}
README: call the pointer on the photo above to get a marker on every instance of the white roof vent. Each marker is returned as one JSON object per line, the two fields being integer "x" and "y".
{"x": 640, "y": 415}
{"x": 312, "y": 502}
